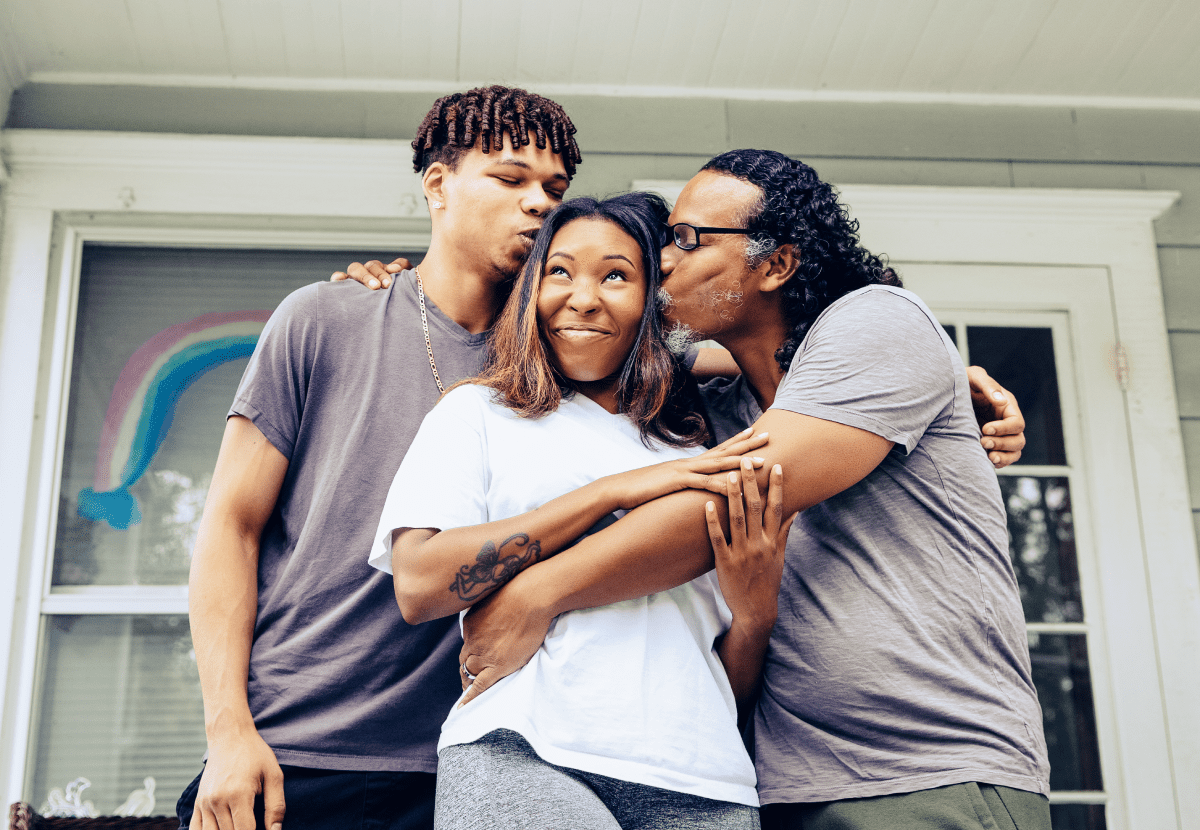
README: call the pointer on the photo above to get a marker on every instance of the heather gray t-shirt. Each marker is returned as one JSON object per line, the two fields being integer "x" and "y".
{"x": 339, "y": 384}
{"x": 899, "y": 660}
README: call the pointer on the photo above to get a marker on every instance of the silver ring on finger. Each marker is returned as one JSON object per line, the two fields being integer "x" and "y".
{"x": 470, "y": 677}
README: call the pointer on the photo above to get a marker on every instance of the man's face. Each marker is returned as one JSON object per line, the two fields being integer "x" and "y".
{"x": 495, "y": 202}
{"x": 706, "y": 285}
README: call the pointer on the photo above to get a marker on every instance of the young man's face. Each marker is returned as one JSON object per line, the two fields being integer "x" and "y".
{"x": 494, "y": 203}
{"x": 706, "y": 285}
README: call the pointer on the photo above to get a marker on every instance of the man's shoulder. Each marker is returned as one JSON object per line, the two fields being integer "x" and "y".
{"x": 338, "y": 311}
{"x": 882, "y": 300}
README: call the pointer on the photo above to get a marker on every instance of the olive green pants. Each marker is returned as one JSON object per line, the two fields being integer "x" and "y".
{"x": 956, "y": 807}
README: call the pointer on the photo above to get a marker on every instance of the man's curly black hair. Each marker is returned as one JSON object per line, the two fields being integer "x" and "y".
{"x": 798, "y": 208}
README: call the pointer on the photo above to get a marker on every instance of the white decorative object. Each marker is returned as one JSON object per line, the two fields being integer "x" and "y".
{"x": 140, "y": 802}
{"x": 69, "y": 804}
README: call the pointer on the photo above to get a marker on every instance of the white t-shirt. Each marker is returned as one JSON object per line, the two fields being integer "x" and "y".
{"x": 633, "y": 690}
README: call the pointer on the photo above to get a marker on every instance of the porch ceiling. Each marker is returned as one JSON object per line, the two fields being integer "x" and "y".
{"x": 1106, "y": 52}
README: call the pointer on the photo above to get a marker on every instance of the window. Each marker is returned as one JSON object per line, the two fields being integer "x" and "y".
{"x": 161, "y": 338}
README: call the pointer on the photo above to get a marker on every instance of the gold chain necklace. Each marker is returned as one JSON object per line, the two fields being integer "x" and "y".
{"x": 425, "y": 328}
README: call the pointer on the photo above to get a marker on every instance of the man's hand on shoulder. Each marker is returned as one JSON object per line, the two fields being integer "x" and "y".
{"x": 999, "y": 416}
{"x": 373, "y": 274}
{"x": 239, "y": 769}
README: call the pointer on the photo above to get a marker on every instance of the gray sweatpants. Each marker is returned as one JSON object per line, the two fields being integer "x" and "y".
{"x": 500, "y": 782}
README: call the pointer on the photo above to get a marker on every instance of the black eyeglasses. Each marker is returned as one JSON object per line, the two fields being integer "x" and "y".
{"x": 687, "y": 237}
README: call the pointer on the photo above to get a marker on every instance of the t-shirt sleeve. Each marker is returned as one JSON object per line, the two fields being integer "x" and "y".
{"x": 875, "y": 361}
{"x": 273, "y": 387}
{"x": 442, "y": 481}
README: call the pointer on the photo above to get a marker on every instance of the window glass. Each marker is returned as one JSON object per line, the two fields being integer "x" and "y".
{"x": 1064, "y": 685}
{"x": 1042, "y": 546}
{"x": 120, "y": 702}
{"x": 162, "y": 338}
{"x": 1077, "y": 817}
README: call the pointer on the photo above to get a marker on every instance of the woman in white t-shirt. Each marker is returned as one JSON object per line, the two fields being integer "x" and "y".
{"x": 627, "y": 715}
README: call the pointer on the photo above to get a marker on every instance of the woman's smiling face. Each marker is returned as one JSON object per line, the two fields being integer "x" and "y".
{"x": 590, "y": 303}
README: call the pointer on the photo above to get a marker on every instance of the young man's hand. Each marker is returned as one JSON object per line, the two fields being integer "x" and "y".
{"x": 373, "y": 274}
{"x": 239, "y": 769}
{"x": 999, "y": 418}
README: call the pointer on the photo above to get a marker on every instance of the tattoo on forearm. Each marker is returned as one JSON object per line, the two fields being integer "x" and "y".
{"x": 493, "y": 566}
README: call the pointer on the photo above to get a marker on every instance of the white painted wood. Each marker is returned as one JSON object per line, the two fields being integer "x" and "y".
{"x": 121, "y": 599}
{"x": 200, "y": 174}
{"x": 1080, "y": 49}
{"x": 25, "y": 257}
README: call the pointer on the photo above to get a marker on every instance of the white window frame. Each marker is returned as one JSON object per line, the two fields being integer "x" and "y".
{"x": 64, "y": 188}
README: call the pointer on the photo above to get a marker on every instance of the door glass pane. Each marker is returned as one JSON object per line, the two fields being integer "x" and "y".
{"x": 1064, "y": 685}
{"x": 1042, "y": 546}
{"x": 120, "y": 701}
{"x": 1077, "y": 816}
{"x": 1022, "y": 360}
{"x": 162, "y": 338}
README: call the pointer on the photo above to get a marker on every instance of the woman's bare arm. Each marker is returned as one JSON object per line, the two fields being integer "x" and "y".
{"x": 441, "y": 573}
{"x": 659, "y": 545}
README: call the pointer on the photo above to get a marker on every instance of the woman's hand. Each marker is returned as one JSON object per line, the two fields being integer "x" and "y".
{"x": 749, "y": 569}
{"x": 636, "y": 487}
{"x": 750, "y": 564}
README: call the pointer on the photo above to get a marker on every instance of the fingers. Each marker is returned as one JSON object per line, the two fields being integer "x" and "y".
{"x": 740, "y": 444}
{"x": 752, "y": 498}
{"x": 398, "y": 264}
{"x": 1004, "y": 439}
{"x": 773, "y": 517}
{"x": 984, "y": 386}
{"x": 737, "y": 513}
{"x": 482, "y": 682}
{"x": 721, "y": 464}
{"x": 274, "y": 805}
{"x": 716, "y": 536}
{"x": 782, "y": 536}
{"x": 242, "y": 817}
{"x": 373, "y": 274}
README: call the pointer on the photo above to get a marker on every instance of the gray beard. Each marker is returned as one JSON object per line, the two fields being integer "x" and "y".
{"x": 678, "y": 335}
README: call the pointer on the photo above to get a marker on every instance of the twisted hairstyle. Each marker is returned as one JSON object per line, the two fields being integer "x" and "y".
{"x": 797, "y": 208}
{"x": 653, "y": 388}
{"x": 487, "y": 114}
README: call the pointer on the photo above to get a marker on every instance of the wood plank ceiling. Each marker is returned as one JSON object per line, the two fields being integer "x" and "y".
{"x": 888, "y": 49}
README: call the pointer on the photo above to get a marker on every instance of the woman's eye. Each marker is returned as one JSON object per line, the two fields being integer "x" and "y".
{"x": 557, "y": 270}
{"x": 615, "y": 275}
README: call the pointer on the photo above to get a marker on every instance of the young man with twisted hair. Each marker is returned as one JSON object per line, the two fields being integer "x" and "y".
{"x": 318, "y": 697}
{"x": 897, "y": 689}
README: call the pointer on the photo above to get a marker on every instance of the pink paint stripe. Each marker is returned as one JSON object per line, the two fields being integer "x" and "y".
{"x": 135, "y": 369}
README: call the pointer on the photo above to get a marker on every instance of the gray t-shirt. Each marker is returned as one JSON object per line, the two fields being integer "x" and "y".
{"x": 339, "y": 384}
{"x": 899, "y": 661}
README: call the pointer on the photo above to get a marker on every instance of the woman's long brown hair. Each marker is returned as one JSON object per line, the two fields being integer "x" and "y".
{"x": 653, "y": 388}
